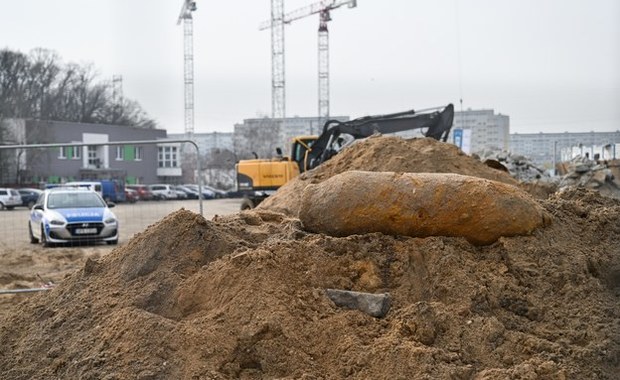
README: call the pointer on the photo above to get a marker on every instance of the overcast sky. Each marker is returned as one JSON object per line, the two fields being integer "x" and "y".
{"x": 551, "y": 65}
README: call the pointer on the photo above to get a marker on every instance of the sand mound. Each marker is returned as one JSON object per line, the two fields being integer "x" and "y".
{"x": 243, "y": 296}
{"x": 385, "y": 154}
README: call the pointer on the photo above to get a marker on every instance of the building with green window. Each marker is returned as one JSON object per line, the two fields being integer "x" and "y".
{"x": 139, "y": 163}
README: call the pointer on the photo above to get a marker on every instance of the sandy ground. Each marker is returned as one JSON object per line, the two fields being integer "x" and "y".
{"x": 25, "y": 265}
{"x": 244, "y": 296}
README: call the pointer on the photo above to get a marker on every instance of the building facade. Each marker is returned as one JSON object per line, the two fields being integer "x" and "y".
{"x": 475, "y": 130}
{"x": 486, "y": 130}
{"x": 139, "y": 163}
{"x": 545, "y": 148}
{"x": 596, "y": 152}
{"x": 261, "y": 137}
{"x": 209, "y": 141}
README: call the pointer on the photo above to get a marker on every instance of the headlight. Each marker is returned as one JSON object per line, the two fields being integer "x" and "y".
{"x": 56, "y": 222}
{"x": 110, "y": 221}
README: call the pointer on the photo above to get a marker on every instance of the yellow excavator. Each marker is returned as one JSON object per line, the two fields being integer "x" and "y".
{"x": 259, "y": 178}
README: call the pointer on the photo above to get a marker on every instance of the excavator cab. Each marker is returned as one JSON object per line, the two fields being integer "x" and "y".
{"x": 300, "y": 148}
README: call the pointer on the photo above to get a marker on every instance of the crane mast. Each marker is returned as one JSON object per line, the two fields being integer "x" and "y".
{"x": 185, "y": 16}
{"x": 323, "y": 64}
{"x": 276, "y": 24}
{"x": 278, "y": 95}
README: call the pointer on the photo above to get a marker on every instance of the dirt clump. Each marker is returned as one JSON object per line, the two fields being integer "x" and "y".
{"x": 243, "y": 296}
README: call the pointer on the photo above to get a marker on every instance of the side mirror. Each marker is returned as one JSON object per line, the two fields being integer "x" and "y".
{"x": 279, "y": 151}
{"x": 111, "y": 204}
{"x": 38, "y": 207}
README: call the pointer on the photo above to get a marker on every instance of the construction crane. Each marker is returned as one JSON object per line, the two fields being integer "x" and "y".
{"x": 185, "y": 16}
{"x": 278, "y": 97}
{"x": 276, "y": 24}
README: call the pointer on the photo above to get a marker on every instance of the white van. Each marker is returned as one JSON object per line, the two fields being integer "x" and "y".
{"x": 162, "y": 191}
{"x": 9, "y": 199}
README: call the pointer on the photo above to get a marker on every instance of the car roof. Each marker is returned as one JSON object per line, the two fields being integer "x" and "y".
{"x": 68, "y": 189}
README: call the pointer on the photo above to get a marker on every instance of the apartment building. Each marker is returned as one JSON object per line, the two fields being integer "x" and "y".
{"x": 475, "y": 130}
{"x": 545, "y": 148}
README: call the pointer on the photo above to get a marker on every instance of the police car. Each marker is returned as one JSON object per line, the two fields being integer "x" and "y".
{"x": 66, "y": 215}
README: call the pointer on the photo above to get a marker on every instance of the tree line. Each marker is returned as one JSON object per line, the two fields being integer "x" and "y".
{"x": 39, "y": 85}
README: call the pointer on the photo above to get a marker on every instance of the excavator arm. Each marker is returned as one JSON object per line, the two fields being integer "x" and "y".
{"x": 260, "y": 177}
{"x": 437, "y": 123}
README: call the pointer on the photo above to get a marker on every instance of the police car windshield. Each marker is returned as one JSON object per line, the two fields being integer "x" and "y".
{"x": 74, "y": 200}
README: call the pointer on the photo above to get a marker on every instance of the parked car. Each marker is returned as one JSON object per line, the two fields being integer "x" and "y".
{"x": 191, "y": 194}
{"x": 163, "y": 191}
{"x": 143, "y": 191}
{"x": 217, "y": 192}
{"x": 206, "y": 193}
{"x": 9, "y": 199}
{"x": 131, "y": 195}
{"x": 29, "y": 196}
{"x": 234, "y": 194}
{"x": 180, "y": 193}
{"x": 66, "y": 215}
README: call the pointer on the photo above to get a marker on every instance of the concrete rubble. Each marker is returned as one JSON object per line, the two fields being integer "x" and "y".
{"x": 518, "y": 166}
{"x": 375, "y": 305}
{"x": 602, "y": 176}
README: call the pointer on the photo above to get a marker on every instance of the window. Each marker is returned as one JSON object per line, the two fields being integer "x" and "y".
{"x": 120, "y": 153}
{"x": 167, "y": 156}
{"x": 77, "y": 153}
{"x": 93, "y": 160}
{"x": 62, "y": 154}
{"x": 138, "y": 153}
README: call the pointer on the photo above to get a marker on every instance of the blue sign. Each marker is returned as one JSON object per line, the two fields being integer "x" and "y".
{"x": 458, "y": 137}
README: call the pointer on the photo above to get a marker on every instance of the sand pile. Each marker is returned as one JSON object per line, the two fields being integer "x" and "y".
{"x": 243, "y": 296}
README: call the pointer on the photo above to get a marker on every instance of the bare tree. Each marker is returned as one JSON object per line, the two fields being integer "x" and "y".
{"x": 219, "y": 168}
{"x": 260, "y": 137}
{"x": 43, "y": 70}
{"x": 38, "y": 86}
{"x": 13, "y": 71}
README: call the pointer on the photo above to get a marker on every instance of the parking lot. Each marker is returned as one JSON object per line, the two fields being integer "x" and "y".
{"x": 133, "y": 217}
